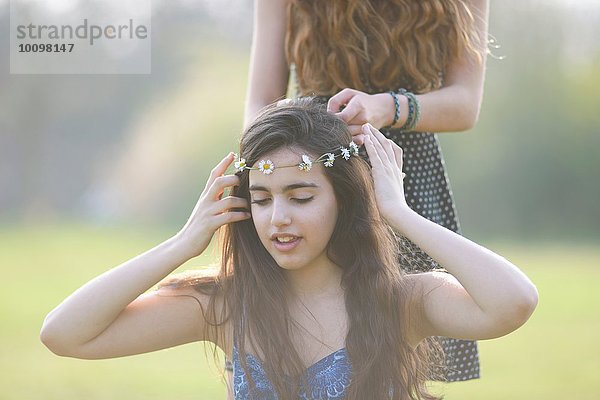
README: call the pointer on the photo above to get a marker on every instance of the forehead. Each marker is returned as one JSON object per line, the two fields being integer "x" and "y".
{"x": 282, "y": 177}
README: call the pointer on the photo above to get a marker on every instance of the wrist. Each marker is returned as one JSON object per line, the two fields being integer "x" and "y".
{"x": 402, "y": 219}
{"x": 389, "y": 109}
{"x": 414, "y": 111}
{"x": 403, "y": 103}
{"x": 182, "y": 246}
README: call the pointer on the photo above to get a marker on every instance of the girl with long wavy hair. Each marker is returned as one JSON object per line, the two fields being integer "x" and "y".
{"x": 430, "y": 54}
{"x": 309, "y": 300}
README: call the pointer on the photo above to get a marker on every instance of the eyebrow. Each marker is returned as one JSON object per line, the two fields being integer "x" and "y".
{"x": 287, "y": 188}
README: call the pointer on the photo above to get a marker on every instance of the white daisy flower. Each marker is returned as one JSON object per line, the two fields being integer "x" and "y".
{"x": 241, "y": 164}
{"x": 353, "y": 148}
{"x": 330, "y": 160}
{"x": 266, "y": 167}
{"x": 306, "y": 163}
{"x": 345, "y": 153}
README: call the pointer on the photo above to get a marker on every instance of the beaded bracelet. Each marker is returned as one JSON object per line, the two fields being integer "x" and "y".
{"x": 414, "y": 111}
{"x": 411, "y": 110}
{"x": 417, "y": 111}
{"x": 397, "y": 106}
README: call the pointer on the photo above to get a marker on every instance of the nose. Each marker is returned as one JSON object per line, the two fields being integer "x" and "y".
{"x": 281, "y": 214}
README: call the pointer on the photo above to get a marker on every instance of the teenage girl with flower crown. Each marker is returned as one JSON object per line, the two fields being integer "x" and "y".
{"x": 407, "y": 67}
{"x": 309, "y": 301}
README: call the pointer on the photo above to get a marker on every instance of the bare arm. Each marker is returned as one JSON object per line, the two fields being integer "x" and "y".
{"x": 485, "y": 297}
{"x": 269, "y": 72}
{"x": 454, "y": 107}
{"x": 110, "y": 316}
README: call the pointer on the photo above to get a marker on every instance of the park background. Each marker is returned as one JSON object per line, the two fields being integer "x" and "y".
{"x": 97, "y": 169}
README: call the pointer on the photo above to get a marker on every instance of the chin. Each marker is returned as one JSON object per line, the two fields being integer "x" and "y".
{"x": 289, "y": 265}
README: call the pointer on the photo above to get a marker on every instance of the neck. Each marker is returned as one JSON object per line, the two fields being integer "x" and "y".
{"x": 318, "y": 280}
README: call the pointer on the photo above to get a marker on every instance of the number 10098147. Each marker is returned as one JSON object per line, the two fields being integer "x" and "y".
{"x": 46, "y": 47}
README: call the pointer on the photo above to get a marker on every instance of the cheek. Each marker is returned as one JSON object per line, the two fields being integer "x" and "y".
{"x": 326, "y": 216}
{"x": 258, "y": 219}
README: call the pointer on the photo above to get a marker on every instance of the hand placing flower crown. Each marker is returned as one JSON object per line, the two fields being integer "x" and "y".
{"x": 213, "y": 210}
{"x": 386, "y": 163}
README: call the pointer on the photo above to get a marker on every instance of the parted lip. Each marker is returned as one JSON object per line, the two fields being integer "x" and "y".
{"x": 283, "y": 234}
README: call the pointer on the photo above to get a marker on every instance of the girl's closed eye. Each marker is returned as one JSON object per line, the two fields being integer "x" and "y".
{"x": 297, "y": 200}
{"x": 305, "y": 200}
{"x": 259, "y": 202}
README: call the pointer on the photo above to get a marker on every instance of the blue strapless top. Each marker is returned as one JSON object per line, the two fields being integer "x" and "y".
{"x": 328, "y": 378}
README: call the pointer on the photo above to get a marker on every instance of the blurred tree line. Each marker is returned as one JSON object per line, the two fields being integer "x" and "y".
{"x": 137, "y": 149}
{"x": 530, "y": 167}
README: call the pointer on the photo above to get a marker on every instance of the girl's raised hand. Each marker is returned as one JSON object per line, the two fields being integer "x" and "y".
{"x": 361, "y": 108}
{"x": 212, "y": 211}
{"x": 386, "y": 162}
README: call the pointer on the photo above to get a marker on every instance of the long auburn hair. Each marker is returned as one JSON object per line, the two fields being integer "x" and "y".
{"x": 374, "y": 46}
{"x": 252, "y": 286}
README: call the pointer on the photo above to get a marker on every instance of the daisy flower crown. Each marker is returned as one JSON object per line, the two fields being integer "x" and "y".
{"x": 267, "y": 167}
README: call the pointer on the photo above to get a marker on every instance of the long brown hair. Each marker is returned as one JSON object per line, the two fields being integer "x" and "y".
{"x": 374, "y": 46}
{"x": 376, "y": 290}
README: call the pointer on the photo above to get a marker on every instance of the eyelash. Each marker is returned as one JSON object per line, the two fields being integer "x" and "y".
{"x": 301, "y": 201}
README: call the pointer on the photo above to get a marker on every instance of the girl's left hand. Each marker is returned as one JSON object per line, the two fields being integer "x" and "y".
{"x": 386, "y": 162}
{"x": 360, "y": 108}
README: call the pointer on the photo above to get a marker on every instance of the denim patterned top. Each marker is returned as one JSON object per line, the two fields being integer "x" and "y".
{"x": 328, "y": 378}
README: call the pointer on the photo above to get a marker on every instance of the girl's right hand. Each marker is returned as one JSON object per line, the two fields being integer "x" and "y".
{"x": 212, "y": 211}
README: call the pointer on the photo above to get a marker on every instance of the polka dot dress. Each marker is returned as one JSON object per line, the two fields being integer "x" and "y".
{"x": 427, "y": 191}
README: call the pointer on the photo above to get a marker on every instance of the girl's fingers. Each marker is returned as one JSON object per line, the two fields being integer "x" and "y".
{"x": 353, "y": 108}
{"x": 230, "y": 203}
{"x": 232, "y": 216}
{"x": 373, "y": 154}
{"x": 220, "y": 169}
{"x": 359, "y": 139}
{"x": 219, "y": 184}
{"x": 357, "y": 133}
{"x": 398, "y": 156}
{"x": 386, "y": 144}
{"x": 381, "y": 153}
{"x": 343, "y": 97}
{"x": 392, "y": 150}
{"x": 355, "y": 130}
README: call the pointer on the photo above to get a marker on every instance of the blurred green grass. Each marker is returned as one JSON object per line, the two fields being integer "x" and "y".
{"x": 554, "y": 356}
